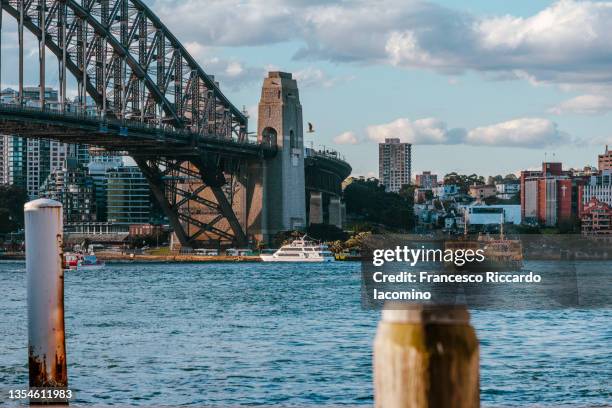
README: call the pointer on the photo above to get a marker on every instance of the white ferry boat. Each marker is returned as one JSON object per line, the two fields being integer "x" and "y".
{"x": 300, "y": 250}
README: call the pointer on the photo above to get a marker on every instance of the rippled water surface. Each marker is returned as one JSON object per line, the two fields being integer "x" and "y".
{"x": 274, "y": 334}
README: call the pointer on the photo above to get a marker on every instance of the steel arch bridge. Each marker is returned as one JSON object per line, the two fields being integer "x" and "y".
{"x": 152, "y": 100}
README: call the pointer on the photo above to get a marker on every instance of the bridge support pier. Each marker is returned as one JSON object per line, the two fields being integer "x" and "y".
{"x": 335, "y": 212}
{"x": 315, "y": 215}
{"x": 283, "y": 184}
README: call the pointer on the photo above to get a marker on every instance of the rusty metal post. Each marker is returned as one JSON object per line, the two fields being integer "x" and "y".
{"x": 45, "y": 291}
{"x": 426, "y": 357}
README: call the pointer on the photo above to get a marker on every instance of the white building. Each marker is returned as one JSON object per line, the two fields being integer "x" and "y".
{"x": 43, "y": 157}
{"x": 506, "y": 191}
{"x": 600, "y": 187}
{"x": 445, "y": 191}
{"x": 480, "y": 214}
{"x": 394, "y": 164}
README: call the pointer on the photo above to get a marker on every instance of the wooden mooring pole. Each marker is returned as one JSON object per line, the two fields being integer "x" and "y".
{"x": 45, "y": 291}
{"x": 426, "y": 357}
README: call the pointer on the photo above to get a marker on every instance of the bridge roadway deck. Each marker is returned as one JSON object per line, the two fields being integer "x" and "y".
{"x": 131, "y": 136}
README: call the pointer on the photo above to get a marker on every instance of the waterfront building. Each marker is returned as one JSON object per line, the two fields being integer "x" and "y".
{"x": 98, "y": 167}
{"x": 605, "y": 160}
{"x": 426, "y": 180}
{"x": 74, "y": 188}
{"x": 13, "y": 161}
{"x": 596, "y": 218}
{"x": 394, "y": 164}
{"x": 550, "y": 196}
{"x": 128, "y": 197}
{"x": 482, "y": 214}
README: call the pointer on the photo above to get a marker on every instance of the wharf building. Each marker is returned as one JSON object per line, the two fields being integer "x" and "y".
{"x": 394, "y": 164}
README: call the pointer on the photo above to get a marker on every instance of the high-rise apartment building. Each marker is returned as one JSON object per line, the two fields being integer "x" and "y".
{"x": 28, "y": 163}
{"x": 73, "y": 187}
{"x": 394, "y": 164}
{"x": 13, "y": 163}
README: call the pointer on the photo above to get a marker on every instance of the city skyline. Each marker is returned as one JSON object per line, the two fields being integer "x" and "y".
{"x": 527, "y": 82}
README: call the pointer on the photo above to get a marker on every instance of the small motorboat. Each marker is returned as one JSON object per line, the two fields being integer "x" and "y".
{"x": 79, "y": 261}
{"x": 90, "y": 262}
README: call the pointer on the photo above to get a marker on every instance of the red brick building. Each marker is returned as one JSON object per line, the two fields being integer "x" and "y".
{"x": 550, "y": 196}
{"x": 596, "y": 218}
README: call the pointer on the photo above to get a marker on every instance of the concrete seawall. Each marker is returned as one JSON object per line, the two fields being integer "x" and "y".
{"x": 118, "y": 257}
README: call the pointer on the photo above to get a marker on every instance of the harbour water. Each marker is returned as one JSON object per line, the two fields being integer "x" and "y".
{"x": 278, "y": 334}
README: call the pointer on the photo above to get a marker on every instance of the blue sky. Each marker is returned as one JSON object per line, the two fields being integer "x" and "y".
{"x": 484, "y": 86}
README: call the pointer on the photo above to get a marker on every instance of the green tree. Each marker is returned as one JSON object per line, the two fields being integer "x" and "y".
{"x": 367, "y": 201}
{"x": 12, "y": 199}
{"x": 462, "y": 181}
{"x": 326, "y": 232}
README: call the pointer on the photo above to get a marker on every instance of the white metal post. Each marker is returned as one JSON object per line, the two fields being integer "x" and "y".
{"x": 45, "y": 291}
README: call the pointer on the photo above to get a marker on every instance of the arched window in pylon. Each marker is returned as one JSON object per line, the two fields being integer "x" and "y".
{"x": 269, "y": 136}
{"x": 293, "y": 140}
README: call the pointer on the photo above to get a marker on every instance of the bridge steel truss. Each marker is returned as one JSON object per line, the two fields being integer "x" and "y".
{"x": 136, "y": 73}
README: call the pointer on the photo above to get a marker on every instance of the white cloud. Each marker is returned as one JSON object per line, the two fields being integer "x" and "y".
{"x": 227, "y": 23}
{"x": 346, "y": 138}
{"x": 522, "y": 132}
{"x": 584, "y": 105}
{"x": 421, "y": 131}
{"x": 568, "y": 42}
{"x": 230, "y": 72}
{"x": 315, "y": 77}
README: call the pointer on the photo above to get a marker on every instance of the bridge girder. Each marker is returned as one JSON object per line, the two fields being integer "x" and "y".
{"x": 130, "y": 64}
{"x": 150, "y": 98}
{"x": 169, "y": 181}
